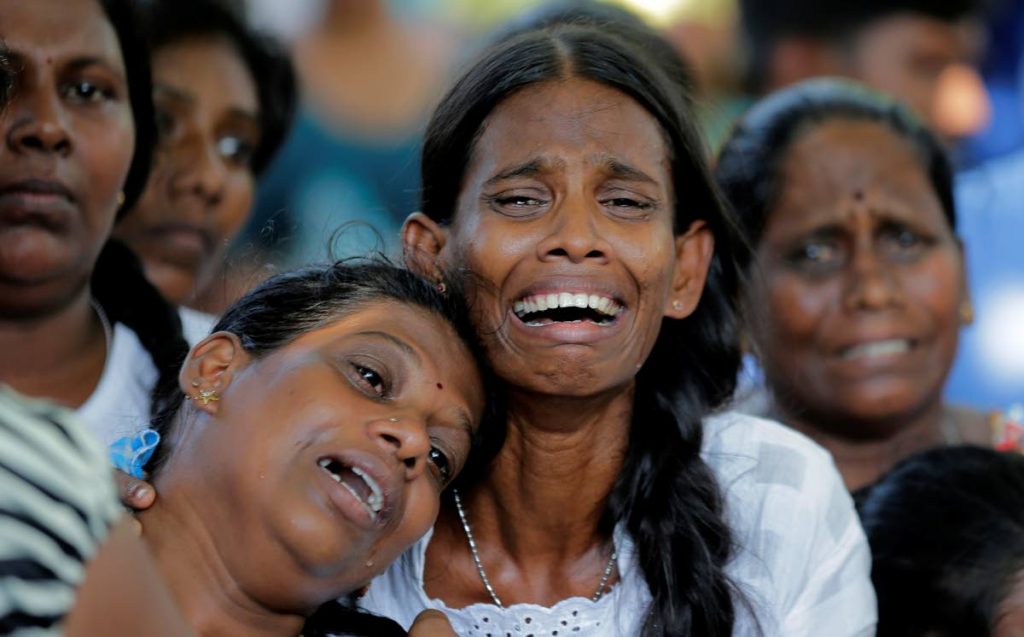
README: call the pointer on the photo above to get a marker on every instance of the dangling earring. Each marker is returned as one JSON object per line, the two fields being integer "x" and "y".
{"x": 966, "y": 313}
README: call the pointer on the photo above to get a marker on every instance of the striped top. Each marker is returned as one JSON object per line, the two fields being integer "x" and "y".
{"x": 57, "y": 502}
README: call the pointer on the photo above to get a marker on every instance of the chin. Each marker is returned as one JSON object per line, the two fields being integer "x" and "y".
{"x": 174, "y": 284}
{"x": 881, "y": 413}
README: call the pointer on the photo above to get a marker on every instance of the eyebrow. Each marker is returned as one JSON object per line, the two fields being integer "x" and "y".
{"x": 528, "y": 168}
{"x": 531, "y": 167}
{"x": 184, "y": 96}
{"x": 627, "y": 172}
{"x": 173, "y": 92}
{"x": 94, "y": 60}
{"x": 17, "y": 61}
{"x": 391, "y": 338}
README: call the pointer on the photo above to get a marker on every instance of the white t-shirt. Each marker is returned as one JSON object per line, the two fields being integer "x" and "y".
{"x": 802, "y": 559}
{"x": 119, "y": 406}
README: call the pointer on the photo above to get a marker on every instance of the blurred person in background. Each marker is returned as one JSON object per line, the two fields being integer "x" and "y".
{"x": 369, "y": 76}
{"x": 921, "y": 52}
{"x": 857, "y": 291}
{"x": 224, "y": 97}
{"x": 924, "y": 53}
{"x": 947, "y": 536}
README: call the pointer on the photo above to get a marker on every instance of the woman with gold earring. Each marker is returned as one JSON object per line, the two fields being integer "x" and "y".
{"x": 857, "y": 289}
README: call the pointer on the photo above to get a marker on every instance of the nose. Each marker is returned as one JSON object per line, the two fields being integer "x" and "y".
{"x": 406, "y": 438}
{"x": 38, "y": 123}
{"x": 574, "y": 235}
{"x": 200, "y": 170}
{"x": 871, "y": 282}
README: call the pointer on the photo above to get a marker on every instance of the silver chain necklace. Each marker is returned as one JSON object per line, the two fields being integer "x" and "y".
{"x": 601, "y": 586}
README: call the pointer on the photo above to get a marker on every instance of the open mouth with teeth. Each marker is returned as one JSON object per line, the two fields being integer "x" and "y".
{"x": 363, "y": 487}
{"x": 566, "y": 307}
{"x": 877, "y": 349}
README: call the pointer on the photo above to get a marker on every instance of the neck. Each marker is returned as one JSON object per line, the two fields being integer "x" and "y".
{"x": 862, "y": 461}
{"x": 59, "y": 356}
{"x": 212, "y": 600}
{"x": 546, "y": 493}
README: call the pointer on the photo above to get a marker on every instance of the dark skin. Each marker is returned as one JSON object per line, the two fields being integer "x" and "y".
{"x": 69, "y": 139}
{"x": 569, "y": 189}
{"x": 926, "y": 63}
{"x": 252, "y": 533}
{"x": 857, "y": 300}
{"x": 201, "y": 188}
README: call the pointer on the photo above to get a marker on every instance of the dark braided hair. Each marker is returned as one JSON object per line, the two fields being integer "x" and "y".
{"x": 118, "y": 281}
{"x": 666, "y": 496}
{"x": 288, "y": 305}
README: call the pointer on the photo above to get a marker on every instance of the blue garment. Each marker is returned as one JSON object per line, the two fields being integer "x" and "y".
{"x": 323, "y": 179}
{"x": 989, "y": 369}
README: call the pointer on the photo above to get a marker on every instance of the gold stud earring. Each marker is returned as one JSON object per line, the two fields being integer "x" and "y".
{"x": 966, "y": 313}
{"x": 677, "y": 305}
{"x": 207, "y": 396}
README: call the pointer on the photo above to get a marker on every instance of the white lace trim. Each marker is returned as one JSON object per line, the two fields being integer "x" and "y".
{"x": 618, "y": 612}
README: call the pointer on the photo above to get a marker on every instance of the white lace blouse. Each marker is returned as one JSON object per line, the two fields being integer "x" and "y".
{"x": 802, "y": 560}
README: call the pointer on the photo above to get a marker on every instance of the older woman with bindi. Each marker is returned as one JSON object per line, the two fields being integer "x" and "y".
{"x": 857, "y": 289}
{"x": 563, "y": 180}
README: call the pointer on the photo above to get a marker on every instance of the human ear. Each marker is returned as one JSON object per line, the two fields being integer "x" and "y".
{"x": 694, "y": 249}
{"x": 966, "y": 308}
{"x": 209, "y": 368}
{"x": 422, "y": 242}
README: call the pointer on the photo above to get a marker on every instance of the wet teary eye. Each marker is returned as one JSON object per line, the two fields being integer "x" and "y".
{"x": 516, "y": 205}
{"x": 86, "y": 91}
{"x": 814, "y": 253}
{"x": 903, "y": 243}
{"x": 372, "y": 380}
{"x": 443, "y": 464}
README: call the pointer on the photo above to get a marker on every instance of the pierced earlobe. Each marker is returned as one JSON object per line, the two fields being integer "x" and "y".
{"x": 205, "y": 396}
{"x": 966, "y": 313}
{"x": 677, "y": 305}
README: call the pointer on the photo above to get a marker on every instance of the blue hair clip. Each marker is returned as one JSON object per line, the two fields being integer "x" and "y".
{"x": 131, "y": 453}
